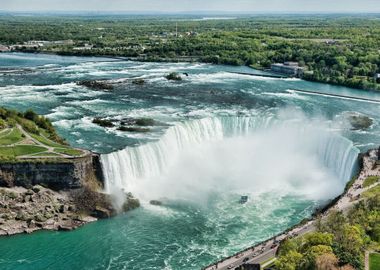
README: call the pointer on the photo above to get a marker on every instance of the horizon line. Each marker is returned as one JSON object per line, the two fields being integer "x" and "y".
{"x": 196, "y": 12}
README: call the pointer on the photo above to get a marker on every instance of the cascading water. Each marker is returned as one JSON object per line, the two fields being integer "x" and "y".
{"x": 125, "y": 169}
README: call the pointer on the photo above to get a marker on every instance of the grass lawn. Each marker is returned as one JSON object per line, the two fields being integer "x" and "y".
{"x": 372, "y": 192}
{"x": 68, "y": 151}
{"x": 45, "y": 141}
{"x": 20, "y": 150}
{"x": 12, "y": 137}
{"x": 370, "y": 181}
{"x": 374, "y": 261}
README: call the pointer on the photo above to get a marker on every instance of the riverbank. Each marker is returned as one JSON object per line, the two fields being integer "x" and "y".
{"x": 25, "y": 210}
{"x": 44, "y": 182}
{"x": 267, "y": 250}
{"x": 187, "y": 59}
{"x": 29, "y": 210}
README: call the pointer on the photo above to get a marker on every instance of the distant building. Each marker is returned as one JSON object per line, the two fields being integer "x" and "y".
{"x": 4, "y": 48}
{"x": 377, "y": 77}
{"x": 191, "y": 34}
{"x": 331, "y": 42}
{"x": 24, "y": 47}
{"x": 288, "y": 68}
{"x": 64, "y": 42}
{"x": 86, "y": 47}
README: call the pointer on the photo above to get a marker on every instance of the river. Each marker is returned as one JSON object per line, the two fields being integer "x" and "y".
{"x": 220, "y": 136}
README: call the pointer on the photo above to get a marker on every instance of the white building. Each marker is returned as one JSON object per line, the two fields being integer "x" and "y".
{"x": 377, "y": 77}
{"x": 4, "y": 48}
{"x": 288, "y": 68}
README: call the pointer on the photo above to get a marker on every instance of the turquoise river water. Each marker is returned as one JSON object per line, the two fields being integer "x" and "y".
{"x": 221, "y": 135}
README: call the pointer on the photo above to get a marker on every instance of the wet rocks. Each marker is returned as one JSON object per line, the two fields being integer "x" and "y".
{"x": 133, "y": 129}
{"x": 139, "y": 82}
{"x": 141, "y": 125}
{"x": 359, "y": 121}
{"x": 354, "y": 121}
{"x": 174, "y": 76}
{"x": 27, "y": 210}
{"x": 96, "y": 84}
{"x": 155, "y": 202}
{"x": 103, "y": 122}
{"x": 102, "y": 213}
{"x": 130, "y": 203}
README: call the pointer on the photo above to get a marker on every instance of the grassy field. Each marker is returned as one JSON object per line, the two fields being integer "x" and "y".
{"x": 45, "y": 141}
{"x": 21, "y": 150}
{"x": 370, "y": 181}
{"x": 28, "y": 135}
{"x": 13, "y": 136}
{"x": 374, "y": 261}
{"x": 68, "y": 151}
{"x": 372, "y": 192}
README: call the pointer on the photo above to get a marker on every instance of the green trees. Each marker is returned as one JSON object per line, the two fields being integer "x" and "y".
{"x": 339, "y": 50}
{"x": 305, "y": 252}
{"x": 290, "y": 261}
{"x": 339, "y": 243}
{"x": 31, "y": 122}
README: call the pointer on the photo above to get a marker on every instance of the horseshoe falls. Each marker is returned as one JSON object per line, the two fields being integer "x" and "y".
{"x": 218, "y": 136}
{"x": 144, "y": 165}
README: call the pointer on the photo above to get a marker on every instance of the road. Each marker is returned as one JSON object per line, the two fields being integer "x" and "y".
{"x": 255, "y": 254}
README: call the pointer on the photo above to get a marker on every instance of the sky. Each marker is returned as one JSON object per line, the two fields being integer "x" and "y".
{"x": 173, "y": 6}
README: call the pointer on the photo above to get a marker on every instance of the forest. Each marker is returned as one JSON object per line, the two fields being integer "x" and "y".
{"x": 339, "y": 242}
{"x": 336, "y": 49}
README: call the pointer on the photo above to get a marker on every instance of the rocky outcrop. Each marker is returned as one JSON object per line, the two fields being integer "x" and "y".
{"x": 55, "y": 174}
{"x": 356, "y": 121}
{"x": 27, "y": 210}
{"x": 97, "y": 84}
{"x": 61, "y": 194}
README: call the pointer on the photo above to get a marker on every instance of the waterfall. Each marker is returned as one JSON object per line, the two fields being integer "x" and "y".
{"x": 124, "y": 168}
{"x": 339, "y": 155}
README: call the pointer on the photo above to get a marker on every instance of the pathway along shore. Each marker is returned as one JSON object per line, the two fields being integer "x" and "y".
{"x": 265, "y": 251}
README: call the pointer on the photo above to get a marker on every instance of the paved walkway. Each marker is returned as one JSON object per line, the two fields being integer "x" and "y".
{"x": 267, "y": 250}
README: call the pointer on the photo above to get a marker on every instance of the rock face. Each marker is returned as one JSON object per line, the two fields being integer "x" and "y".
{"x": 59, "y": 174}
{"x": 61, "y": 194}
{"x": 27, "y": 210}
